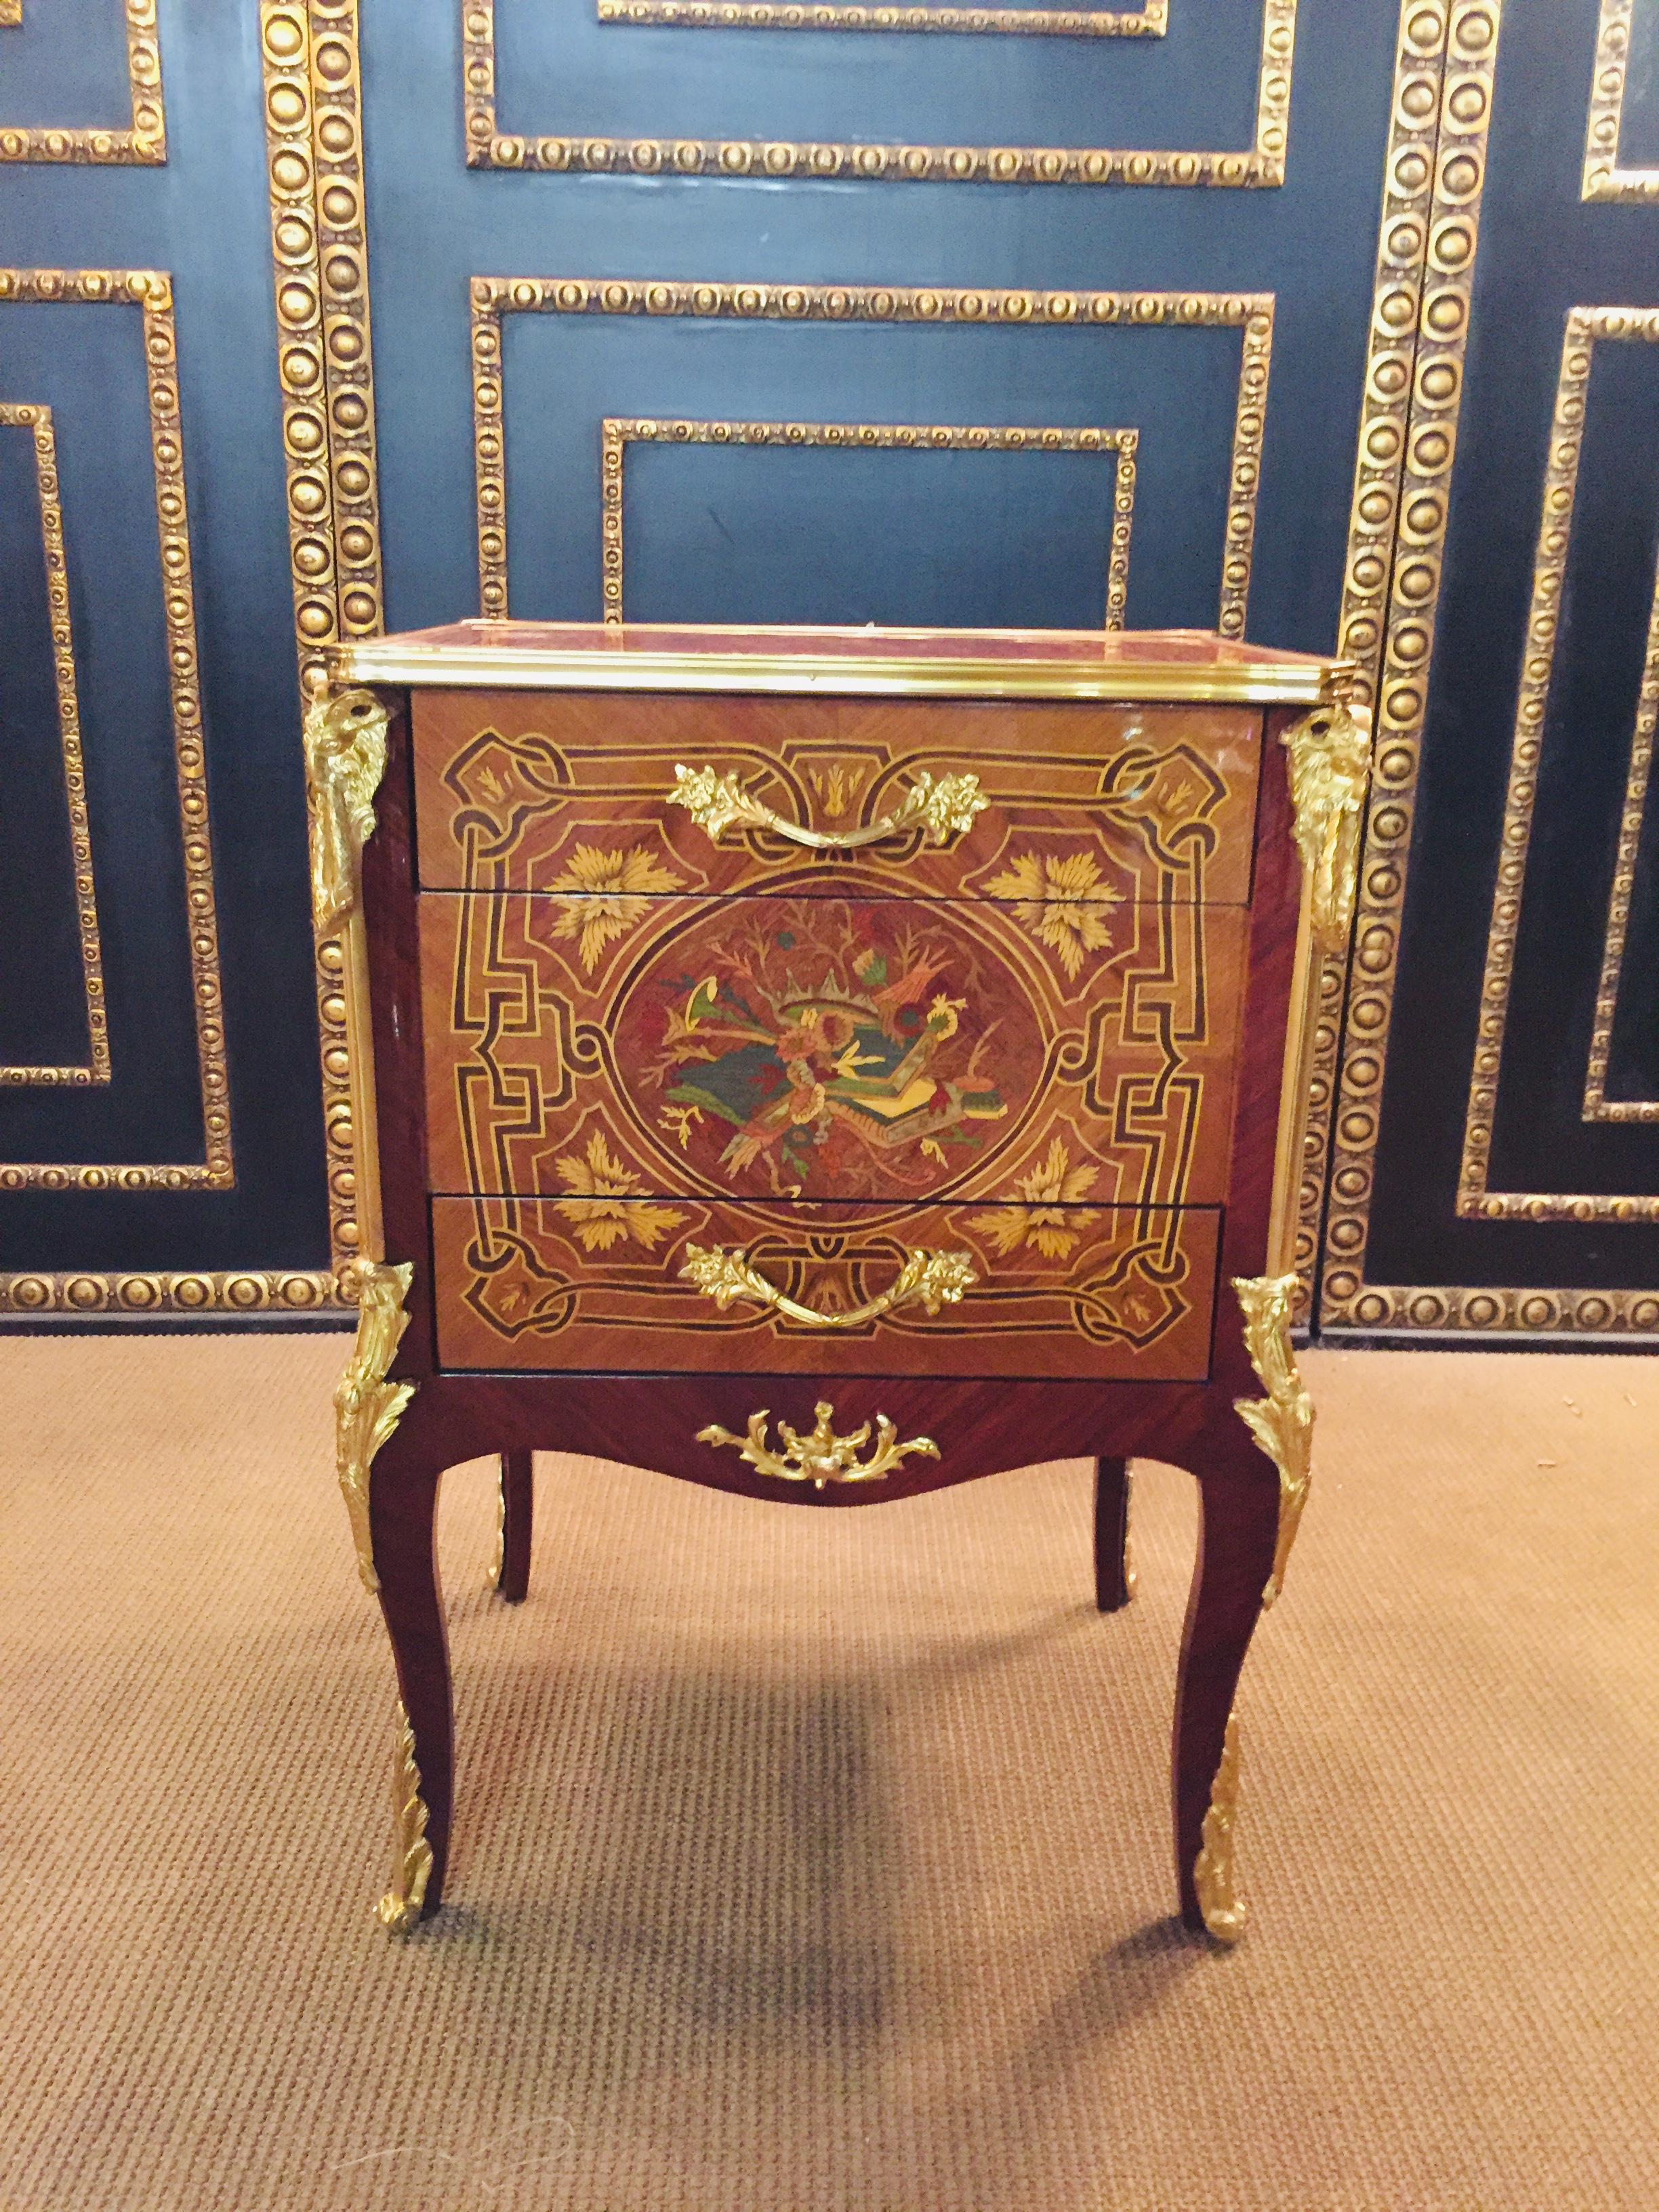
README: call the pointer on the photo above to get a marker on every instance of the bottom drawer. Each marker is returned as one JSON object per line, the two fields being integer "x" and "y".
{"x": 654, "y": 1286}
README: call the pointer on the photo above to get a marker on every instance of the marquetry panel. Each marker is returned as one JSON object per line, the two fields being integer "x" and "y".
{"x": 1251, "y": 313}
{"x": 144, "y": 141}
{"x": 150, "y": 293}
{"x": 852, "y": 1047}
{"x": 1262, "y": 162}
{"x": 1149, "y": 803}
{"x": 36, "y": 422}
{"x": 597, "y": 1284}
{"x": 618, "y": 435}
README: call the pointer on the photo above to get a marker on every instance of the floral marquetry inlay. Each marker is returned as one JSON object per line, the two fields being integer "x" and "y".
{"x": 618, "y": 887}
{"x": 1060, "y": 899}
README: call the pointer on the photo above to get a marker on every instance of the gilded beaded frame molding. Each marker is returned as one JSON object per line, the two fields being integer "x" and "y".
{"x": 36, "y": 419}
{"x": 1250, "y": 312}
{"x": 617, "y": 432}
{"x": 1604, "y": 178}
{"x": 1261, "y": 163}
{"x": 1347, "y": 1300}
{"x": 144, "y": 144}
{"x": 320, "y": 253}
{"x": 1149, "y": 21}
{"x": 1475, "y": 1200}
{"x": 151, "y": 291}
{"x": 1408, "y": 195}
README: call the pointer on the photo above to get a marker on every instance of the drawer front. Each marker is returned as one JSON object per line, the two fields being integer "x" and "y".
{"x": 815, "y": 1049}
{"x": 558, "y": 791}
{"x": 634, "y": 1285}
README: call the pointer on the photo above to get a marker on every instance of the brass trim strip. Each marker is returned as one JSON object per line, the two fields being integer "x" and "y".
{"x": 1441, "y": 320}
{"x": 37, "y": 420}
{"x": 151, "y": 292}
{"x": 1150, "y": 20}
{"x": 1605, "y": 177}
{"x": 1262, "y": 163}
{"x": 617, "y": 434}
{"x": 309, "y": 50}
{"x": 1150, "y": 682}
{"x": 1250, "y": 312}
{"x": 33, "y": 1294}
{"x": 144, "y": 144}
{"x": 1475, "y": 1199}
{"x": 1380, "y": 459}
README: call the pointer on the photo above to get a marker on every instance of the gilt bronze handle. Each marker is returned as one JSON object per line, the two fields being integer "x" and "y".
{"x": 932, "y": 1279}
{"x": 943, "y": 806}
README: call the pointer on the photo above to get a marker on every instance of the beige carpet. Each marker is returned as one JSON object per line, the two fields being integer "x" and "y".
{"x": 818, "y": 1862}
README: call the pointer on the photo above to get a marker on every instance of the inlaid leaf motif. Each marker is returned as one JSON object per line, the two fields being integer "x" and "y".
{"x": 603, "y": 1213}
{"x": 615, "y": 890}
{"x": 1059, "y": 898}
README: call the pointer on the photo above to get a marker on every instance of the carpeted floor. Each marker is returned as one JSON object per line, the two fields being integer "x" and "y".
{"x": 814, "y": 1862}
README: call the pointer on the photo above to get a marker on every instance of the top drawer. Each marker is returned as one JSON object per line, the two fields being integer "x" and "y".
{"x": 569, "y": 791}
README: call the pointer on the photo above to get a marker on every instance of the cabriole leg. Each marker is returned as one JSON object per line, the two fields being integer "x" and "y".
{"x": 403, "y": 1510}
{"x": 1115, "y": 1574}
{"x": 1239, "y": 1495}
{"x": 511, "y": 1576}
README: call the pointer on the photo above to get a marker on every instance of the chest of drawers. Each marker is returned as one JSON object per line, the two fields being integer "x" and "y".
{"x": 828, "y": 1066}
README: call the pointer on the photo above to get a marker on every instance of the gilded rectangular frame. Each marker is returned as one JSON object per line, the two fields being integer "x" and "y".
{"x": 1400, "y": 626}
{"x": 1262, "y": 163}
{"x": 617, "y": 432}
{"x": 1149, "y": 21}
{"x": 151, "y": 292}
{"x": 143, "y": 144}
{"x": 1250, "y": 312}
{"x": 1605, "y": 177}
{"x": 1585, "y": 327}
{"x": 36, "y": 419}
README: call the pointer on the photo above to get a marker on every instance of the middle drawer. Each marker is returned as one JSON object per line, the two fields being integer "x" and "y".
{"x": 1051, "y": 1050}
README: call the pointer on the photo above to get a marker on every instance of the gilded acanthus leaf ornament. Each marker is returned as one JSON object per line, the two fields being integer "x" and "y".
{"x": 1282, "y": 1422}
{"x": 945, "y": 807}
{"x": 1213, "y": 1869}
{"x": 930, "y": 1280}
{"x": 345, "y": 759}
{"x": 411, "y": 1859}
{"x": 366, "y": 1407}
{"x": 822, "y": 1457}
{"x": 1330, "y": 752}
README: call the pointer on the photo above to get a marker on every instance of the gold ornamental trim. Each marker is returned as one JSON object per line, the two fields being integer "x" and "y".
{"x": 411, "y": 1855}
{"x": 1606, "y": 177}
{"x": 820, "y": 1457}
{"x": 320, "y": 257}
{"x": 1330, "y": 752}
{"x": 928, "y": 1279}
{"x": 366, "y": 1407}
{"x": 1282, "y": 1423}
{"x": 1213, "y": 1876}
{"x": 1150, "y": 20}
{"x": 1586, "y": 328}
{"x": 345, "y": 745}
{"x": 144, "y": 145}
{"x": 617, "y": 434}
{"x": 1399, "y": 609}
{"x": 943, "y": 806}
{"x": 151, "y": 290}
{"x": 36, "y": 419}
{"x": 1261, "y": 163}
{"x": 1252, "y": 314}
